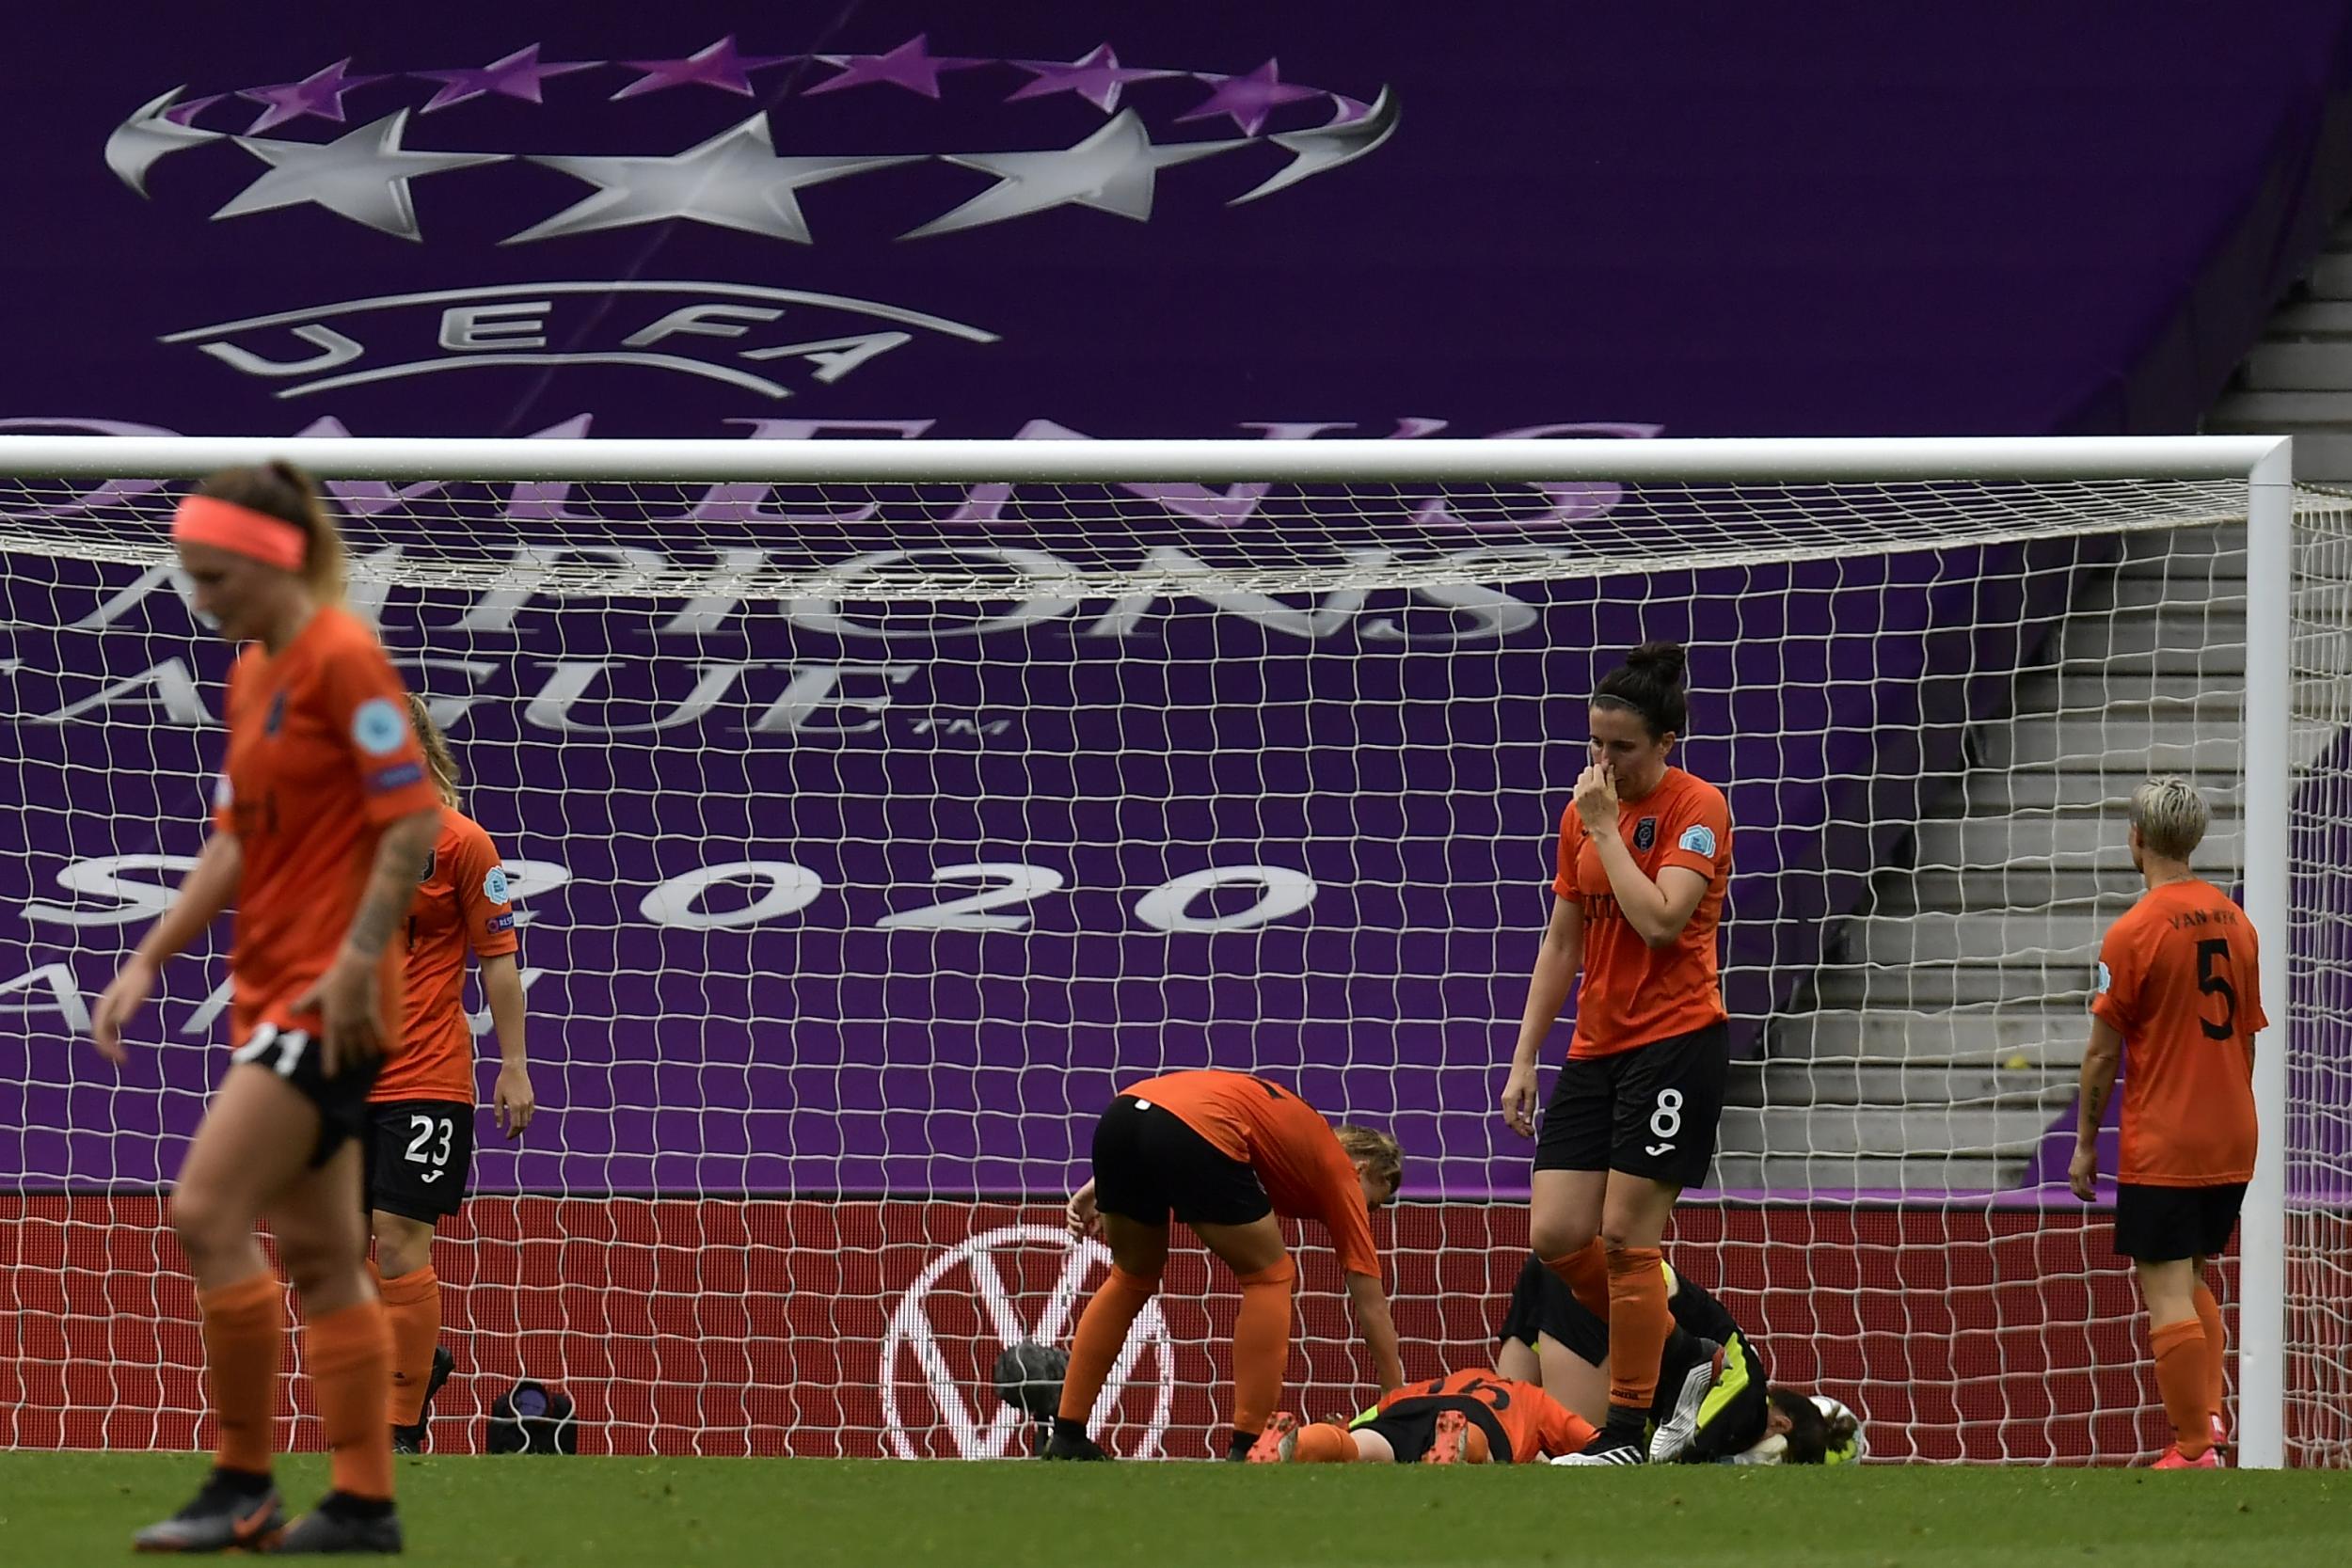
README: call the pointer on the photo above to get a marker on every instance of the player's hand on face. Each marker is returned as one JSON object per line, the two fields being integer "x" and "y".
{"x": 1596, "y": 796}
{"x": 346, "y": 997}
{"x": 513, "y": 1101}
{"x": 1518, "y": 1101}
{"x": 124, "y": 997}
{"x": 2082, "y": 1173}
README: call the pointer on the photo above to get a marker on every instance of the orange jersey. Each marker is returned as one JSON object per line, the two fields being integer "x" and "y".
{"x": 2180, "y": 978}
{"x": 1536, "y": 1423}
{"x": 461, "y": 904}
{"x": 319, "y": 757}
{"x": 1297, "y": 1157}
{"x": 1633, "y": 993}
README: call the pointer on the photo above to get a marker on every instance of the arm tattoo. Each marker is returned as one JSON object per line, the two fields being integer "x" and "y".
{"x": 391, "y": 887}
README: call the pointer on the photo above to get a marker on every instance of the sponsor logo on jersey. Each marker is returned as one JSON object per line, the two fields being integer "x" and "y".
{"x": 378, "y": 727}
{"x": 399, "y": 776}
{"x": 1699, "y": 839}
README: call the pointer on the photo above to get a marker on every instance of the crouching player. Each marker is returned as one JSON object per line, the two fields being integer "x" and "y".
{"x": 1711, "y": 1408}
{"x": 1477, "y": 1416}
{"x": 1226, "y": 1155}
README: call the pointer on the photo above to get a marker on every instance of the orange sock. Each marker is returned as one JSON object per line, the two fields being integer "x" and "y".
{"x": 1324, "y": 1444}
{"x": 2216, "y": 1350}
{"x": 1587, "y": 1271}
{"x": 244, "y": 1328}
{"x": 1639, "y": 1324}
{"x": 350, "y": 1357}
{"x": 1262, "y": 1345}
{"x": 412, "y": 1308}
{"x": 2180, "y": 1378}
{"x": 1102, "y": 1330}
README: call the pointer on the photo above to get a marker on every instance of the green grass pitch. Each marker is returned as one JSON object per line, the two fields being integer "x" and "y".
{"x": 58, "y": 1510}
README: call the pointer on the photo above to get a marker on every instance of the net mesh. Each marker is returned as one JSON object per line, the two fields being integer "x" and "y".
{"x": 870, "y": 837}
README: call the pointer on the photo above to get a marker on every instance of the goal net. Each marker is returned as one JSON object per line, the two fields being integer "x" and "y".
{"x": 876, "y": 811}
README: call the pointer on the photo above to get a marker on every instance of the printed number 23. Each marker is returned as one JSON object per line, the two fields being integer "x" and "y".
{"x": 2213, "y": 959}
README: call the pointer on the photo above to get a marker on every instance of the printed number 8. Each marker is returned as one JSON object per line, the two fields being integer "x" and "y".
{"x": 1666, "y": 1120}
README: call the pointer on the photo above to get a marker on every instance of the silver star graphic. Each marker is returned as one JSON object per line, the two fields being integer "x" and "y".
{"x": 1111, "y": 171}
{"x": 362, "y": 175}
{"x": 146, "y": 137}
{"x": 734, "y": 181}
{"x": 1327, "y": 147}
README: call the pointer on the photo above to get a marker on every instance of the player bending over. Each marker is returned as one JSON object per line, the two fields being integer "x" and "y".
{"x": 1475, "y": 1417}
{"x": 1550, "y": 1338}
{"x": 322, "y": 816}
{"x": 2180, "y": 994}
{"x": 1226, "y": 1154}
{"x": 420, "y": 1144}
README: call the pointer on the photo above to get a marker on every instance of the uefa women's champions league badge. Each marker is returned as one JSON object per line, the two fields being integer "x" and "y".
{"x": 348, "y": 144}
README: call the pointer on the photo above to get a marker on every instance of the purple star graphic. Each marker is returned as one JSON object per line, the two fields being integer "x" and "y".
{"x": 1096, "y": 78}
{"x": 518, "y": 75}
{"x": 184, "y": 114}
{"x": 912, "y": 66}
{"x": 1248, "y": 99}
{"x": 716, "y": 65}
{"x": 319, "y": 93}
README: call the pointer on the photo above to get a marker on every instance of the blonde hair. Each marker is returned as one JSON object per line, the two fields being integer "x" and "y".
{"x": 439, "y": 758}
{"x": 1377, "y": 1151}
{"x": 2170, "y": 817}
{"x": 283, "y": 491}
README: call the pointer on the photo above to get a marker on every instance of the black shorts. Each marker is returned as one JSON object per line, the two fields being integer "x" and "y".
{"x": 2161, "y": 1224}
{"x": 1411, "y": 1426}
{"x": 1651, "y": 1111}
{"x": 418, "y": 1152}
{"x": 1149, "y": 1164}
{"x": 1541, "y": 1302}
{"x": 293, "y": 1055}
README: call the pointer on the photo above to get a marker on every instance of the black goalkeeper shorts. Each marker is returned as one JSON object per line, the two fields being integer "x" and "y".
{"x": 1149, "y": 1162}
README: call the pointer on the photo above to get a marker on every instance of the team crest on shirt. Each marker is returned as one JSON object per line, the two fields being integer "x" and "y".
{"x": 275, "y": 719}
{"x": 1646, "y": 832}
{"x": 431, "y": 856}
{"x": 378, "y": 727}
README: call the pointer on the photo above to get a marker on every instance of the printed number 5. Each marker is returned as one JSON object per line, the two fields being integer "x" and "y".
{"x": 2210, "y": 955}
{"x": 425, "y": 1127}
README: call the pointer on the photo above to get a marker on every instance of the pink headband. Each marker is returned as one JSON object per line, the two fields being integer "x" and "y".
{"x": 227, "y": 526}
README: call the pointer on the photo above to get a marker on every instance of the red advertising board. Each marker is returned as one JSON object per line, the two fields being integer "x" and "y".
{"x": 868, "y": 1328}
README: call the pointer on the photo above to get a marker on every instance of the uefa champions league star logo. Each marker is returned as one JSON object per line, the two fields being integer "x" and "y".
{"x": 364, "y": 169}
{"x": 938, "y": 1396}
{"x": 346, "y": 144}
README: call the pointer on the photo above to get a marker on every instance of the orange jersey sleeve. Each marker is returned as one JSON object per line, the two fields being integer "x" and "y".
{"x": 2180, "y": 979}
{"x": 1633, "y": 993}
{"x": 460, "y": 905}
{"x": 1297, "y": 1157}
{"x": 319, "y": 757}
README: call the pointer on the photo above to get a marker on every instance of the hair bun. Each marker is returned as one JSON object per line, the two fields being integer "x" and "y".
{"x": 1665, "y": 660}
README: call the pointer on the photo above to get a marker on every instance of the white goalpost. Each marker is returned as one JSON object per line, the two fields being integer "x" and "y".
{"x": 877, "y": 808}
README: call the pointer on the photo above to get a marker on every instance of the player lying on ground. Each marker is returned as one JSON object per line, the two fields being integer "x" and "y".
{"x": 1226, "y": 1154}
{"x": 1733, "y": 1416}
{"x": 420, "y": 1144}
{"x": 321, "y": 820}
{"x": 2180, "y": 995}
{"x": 1475, "y": 1417}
